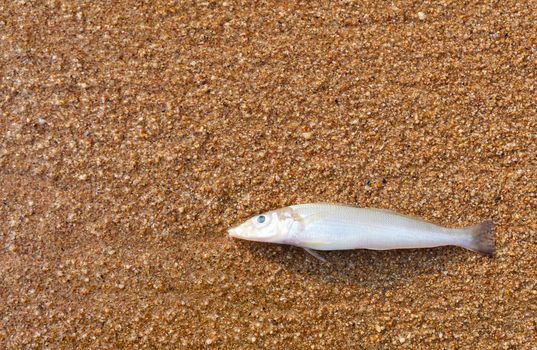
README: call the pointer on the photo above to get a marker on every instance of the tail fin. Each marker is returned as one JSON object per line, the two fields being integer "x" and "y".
{"x": 482, "y": 238}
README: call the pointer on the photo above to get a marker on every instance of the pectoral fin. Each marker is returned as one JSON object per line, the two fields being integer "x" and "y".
{"x": 315, "y": 254}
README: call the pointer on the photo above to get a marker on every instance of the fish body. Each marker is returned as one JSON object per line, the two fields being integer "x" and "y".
{"x": 323, "y": 226}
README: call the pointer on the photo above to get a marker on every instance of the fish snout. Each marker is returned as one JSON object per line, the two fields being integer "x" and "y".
{"x": 233, "y": 232}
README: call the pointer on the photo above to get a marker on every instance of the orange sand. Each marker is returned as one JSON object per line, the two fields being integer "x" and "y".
{"x": 132, "y": 136}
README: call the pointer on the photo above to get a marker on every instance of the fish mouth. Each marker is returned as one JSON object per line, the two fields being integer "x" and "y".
{"x": 233, "y": 232}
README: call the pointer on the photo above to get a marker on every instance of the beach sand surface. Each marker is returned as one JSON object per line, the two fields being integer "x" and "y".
{"x": 133, "y": 134}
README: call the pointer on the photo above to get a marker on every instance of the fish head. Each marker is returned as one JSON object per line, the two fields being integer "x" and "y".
{"x": 273, "y": 226}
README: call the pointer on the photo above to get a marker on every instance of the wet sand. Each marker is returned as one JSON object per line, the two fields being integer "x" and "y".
{"x": 133, "y": 136}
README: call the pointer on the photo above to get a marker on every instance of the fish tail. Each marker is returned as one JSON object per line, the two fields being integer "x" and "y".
{"x": 481, "y": 238}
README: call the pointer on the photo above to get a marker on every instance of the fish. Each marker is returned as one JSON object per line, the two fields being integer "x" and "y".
{"x": 325, "y": 226}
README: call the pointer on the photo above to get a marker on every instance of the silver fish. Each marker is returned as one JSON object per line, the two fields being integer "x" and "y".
{"x": 323, "y": 226}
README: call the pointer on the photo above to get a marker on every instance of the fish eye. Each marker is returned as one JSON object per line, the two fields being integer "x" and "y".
{"x": 261, "y": 219}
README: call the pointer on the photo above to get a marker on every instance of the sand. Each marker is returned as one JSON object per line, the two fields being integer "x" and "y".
{"x": 134, "y": 134}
